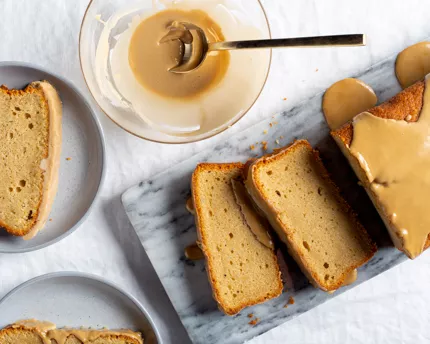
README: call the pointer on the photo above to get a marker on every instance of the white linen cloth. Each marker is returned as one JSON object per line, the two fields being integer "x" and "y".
{"x": 391, "y": 308}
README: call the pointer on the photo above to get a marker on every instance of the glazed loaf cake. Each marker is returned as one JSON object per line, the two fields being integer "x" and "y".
{"x": 406, "y": 107}
{"x": 306, "y": 210}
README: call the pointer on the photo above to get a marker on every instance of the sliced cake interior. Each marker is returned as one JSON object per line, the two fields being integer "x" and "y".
{"x": 242, "y": 271}
{"x": 30, "y": 143}
{"x": 305, "y": 208}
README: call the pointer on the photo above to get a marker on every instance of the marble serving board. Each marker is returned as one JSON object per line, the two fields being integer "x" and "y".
{"x": 156, "y": 208}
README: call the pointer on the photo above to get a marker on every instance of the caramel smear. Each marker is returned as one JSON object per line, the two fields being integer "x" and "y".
{"x": 396, "y": 158}
{"x": 190, "y": 206}
{"x": 413, "y": 64}
{"x": 345, "y": 99}
{"x": 194, "y": 252}
{"x": 151, "y": 60}
{"x": 256, "y": 224}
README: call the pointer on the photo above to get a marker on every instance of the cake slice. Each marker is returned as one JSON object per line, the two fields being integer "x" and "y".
{"x": 306, "y": 210}
{"x": 30, "y": 145}
{"x": 242, "y": 271}
{"x": 406, "y": 108}
{"x": 42, "y": 332}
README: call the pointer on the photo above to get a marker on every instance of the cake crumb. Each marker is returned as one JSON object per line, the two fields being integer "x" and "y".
{"x": 250, "y": 315}
{"x": 68, "y": 159}
{"x": 291, "y": 300}
{"x": 264, "y": 143}
{"x": 316, "y": 70}
{"x": 281, "y": 137}
{"x": 254, "y": 322}
{"x": 50, "y": 220}
{"x": 285, "y": 98}
{"x": 277, "y": 141}
{"x": 251, "y": 147}
{"x": 271, "y": 125}
{"x": 274, "y": 123}
{"x": 286, "y": 305}
{"x": 264, "y": 132}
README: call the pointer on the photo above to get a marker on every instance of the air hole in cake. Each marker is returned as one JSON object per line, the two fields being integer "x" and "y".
{"x": 14, "y": 113}
{"x": 18, "y": 189}
{"x": 10, "y": 189}
{"x": 230, "y": 235}
{"x": 306, "y": 245}
{"x": 278, "y": 193}
{"x": 225, "y": 210}
{"x": 269, "y": 173}
{"x": 17, "y": 108}
{"x": 31, "y": 126}
{"x": 267, "y": 266}
{"x": 30, "y": 215}
{"x": 27, "y": 115}
{"x": 22, "y": 183}
{"x": 286, "y": 168}
{"x": 234, "y": 295}
{"x": 326, "y": 265}
{"x": 326, "y": 277}
{"x": 319, "y": 191}
{"x": 231, "y": 262}
{"x": 232, "y": 251}
{"x": 11, "y": 135}
{"x": 211, "y": 213}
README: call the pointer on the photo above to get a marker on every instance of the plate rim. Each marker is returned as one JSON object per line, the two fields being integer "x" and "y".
{"x": 91, "y": 277}
{"x": 99, "y": 129}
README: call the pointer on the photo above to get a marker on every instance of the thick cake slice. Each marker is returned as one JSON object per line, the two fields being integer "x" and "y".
{"x": 30, "y": 145}
{"x": 242, "y": 271}
{"x": 306, "y": 210}
{"x": 41, "y": 332}
{"x": 390, "y": 155}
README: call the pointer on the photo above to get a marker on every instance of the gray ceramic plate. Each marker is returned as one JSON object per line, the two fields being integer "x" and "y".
{"x": 80, "y": 176}
{"x": 76, "y": 299}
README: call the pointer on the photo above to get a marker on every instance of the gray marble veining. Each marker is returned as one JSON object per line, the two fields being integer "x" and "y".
{"x": 156, "y": 208}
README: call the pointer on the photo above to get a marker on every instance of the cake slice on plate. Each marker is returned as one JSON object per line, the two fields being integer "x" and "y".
{"x": 30, "y": 147}
{"x": 42, "y": 332}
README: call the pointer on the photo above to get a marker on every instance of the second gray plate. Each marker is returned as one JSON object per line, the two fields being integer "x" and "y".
{"x": 76, "y": 299}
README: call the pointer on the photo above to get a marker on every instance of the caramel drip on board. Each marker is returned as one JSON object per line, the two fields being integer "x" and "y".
{"x": 345, "y": 99}
{"x": 194, "y": 252}
{"x": 190, "y": 206}
{"x": 395, "y": 156}
{"x": 413, "y": 64}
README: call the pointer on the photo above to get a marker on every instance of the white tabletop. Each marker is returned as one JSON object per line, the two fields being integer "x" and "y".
{"x": 391, "y": 308}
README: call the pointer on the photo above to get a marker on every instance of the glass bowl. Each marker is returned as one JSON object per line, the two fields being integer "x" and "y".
{"x": 100, "y": 50}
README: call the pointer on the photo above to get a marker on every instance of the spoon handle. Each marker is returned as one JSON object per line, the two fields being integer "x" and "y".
{"x": 300, "y": 42}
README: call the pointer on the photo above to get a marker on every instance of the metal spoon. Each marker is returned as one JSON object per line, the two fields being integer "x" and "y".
{"x": 195, "y": 46}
